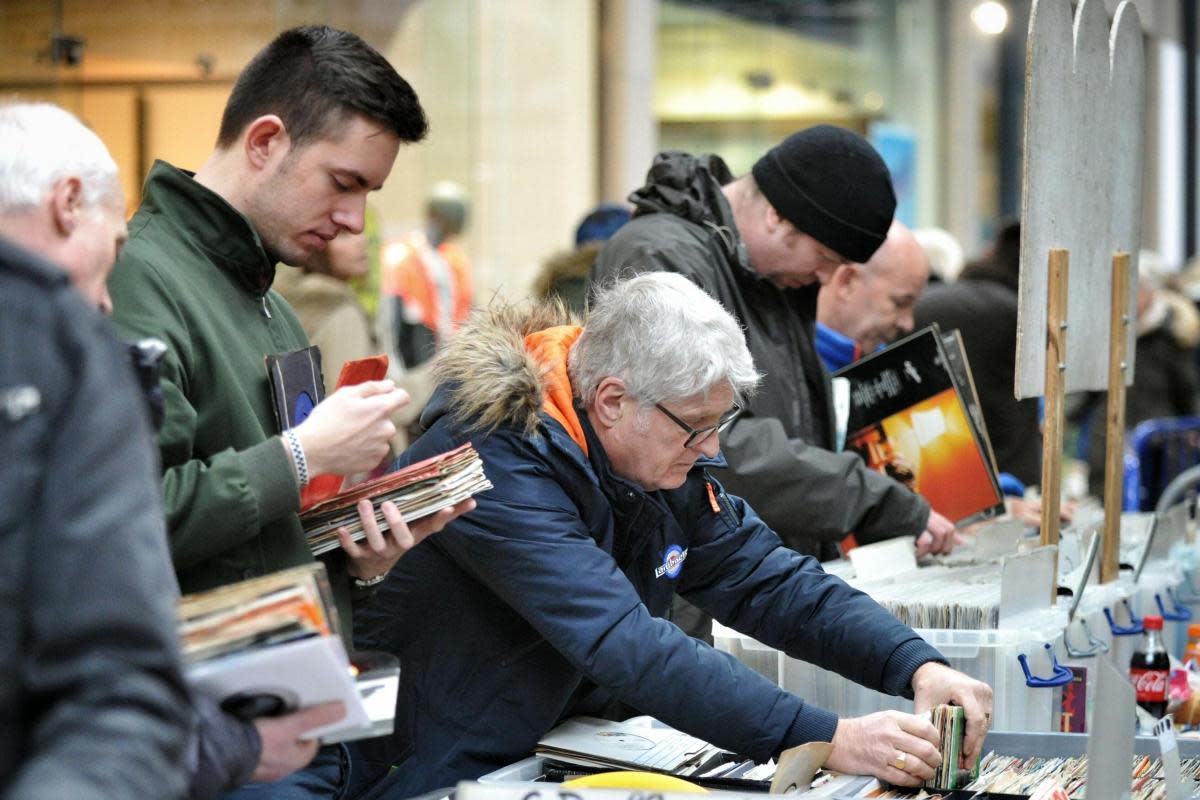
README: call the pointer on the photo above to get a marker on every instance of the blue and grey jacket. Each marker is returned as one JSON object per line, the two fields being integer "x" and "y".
{"x": 546, "y": 600}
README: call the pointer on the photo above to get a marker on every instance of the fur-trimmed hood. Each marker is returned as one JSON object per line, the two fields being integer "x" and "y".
{"x": 494, "y": 377}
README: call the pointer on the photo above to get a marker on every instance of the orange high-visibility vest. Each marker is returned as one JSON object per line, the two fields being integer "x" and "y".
{"x": 408, "y": 273}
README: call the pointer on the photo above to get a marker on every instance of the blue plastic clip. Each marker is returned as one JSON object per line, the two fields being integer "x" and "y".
{"x": 1061, "y": 677}
{"x": 1133, "y": 630}
{"x": 1180, "y": 614}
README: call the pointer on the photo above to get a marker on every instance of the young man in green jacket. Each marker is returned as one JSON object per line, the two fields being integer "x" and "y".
{"x": 312, "y": 126}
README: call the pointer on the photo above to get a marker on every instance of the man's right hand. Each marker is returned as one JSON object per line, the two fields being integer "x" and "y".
{"x": 350, "y": 430}
{"x": 283, "y": 751}
{"x": 939, "y": 536}
{"x": 890, "y": 745}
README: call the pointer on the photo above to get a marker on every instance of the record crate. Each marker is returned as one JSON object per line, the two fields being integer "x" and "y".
{"x": 992, "y": 656}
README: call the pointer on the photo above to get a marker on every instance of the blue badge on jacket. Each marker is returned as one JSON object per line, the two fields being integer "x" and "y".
{"x": 672, "y": 562}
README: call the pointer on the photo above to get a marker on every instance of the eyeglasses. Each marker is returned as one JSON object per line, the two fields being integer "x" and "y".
{"x": 699, "y": 436}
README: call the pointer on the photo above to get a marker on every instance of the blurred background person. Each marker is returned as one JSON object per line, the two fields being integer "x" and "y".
{"x": 944, "y": 252}
{"x": 428, "y": 290}
{"x": 1165, "y": 380}
{"x": 564, "y": 275}
{"x": 427, "y": 283}
{"x": 323, "y": 297}
{"x": 368, "y": 287}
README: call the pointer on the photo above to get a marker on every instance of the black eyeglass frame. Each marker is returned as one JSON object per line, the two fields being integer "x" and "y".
{"x": 699, "y": 436}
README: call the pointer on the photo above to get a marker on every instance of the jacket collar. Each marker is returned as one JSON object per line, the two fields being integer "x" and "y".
{"x": 550, "y": 347}
{"x": 835, "y": 348}
{"x": 211, "y": 224}
{"x": 689, "y": 187}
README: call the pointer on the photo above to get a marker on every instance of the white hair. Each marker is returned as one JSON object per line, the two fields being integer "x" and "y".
{"x": 665, "y": 338}
{"x": 40, "y": 144}
{"x": 945, "y": 254}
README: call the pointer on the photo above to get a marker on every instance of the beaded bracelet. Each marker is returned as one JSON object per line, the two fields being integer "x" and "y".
{"x": 298, "y": 458}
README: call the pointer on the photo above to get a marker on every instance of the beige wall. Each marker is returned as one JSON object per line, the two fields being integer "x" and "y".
{"x": 510, "y": 90}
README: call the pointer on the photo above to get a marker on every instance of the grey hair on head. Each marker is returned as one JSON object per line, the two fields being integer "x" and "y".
{"x": 40, "y": 144}
{"x": 665, "y": 338}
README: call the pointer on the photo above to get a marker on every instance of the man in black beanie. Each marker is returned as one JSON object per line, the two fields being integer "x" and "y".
{"x": 760, "y": 244}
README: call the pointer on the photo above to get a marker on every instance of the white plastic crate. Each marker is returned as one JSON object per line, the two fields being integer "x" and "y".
{"x": 1090, "y": 637}
{"x": 755, "y": 655}
{"x": 989, "y": 655}
{"x": 1160, "y": 580}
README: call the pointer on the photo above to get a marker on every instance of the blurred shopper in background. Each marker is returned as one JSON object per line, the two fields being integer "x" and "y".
{"x": 323, "y": 298}
{"x": 427, "y": 283}
{"x": 944, "y": 252}
{"x": 428, "y": 290}
{"x": 564, "y": 275}
{"x": 1165, "y": 379}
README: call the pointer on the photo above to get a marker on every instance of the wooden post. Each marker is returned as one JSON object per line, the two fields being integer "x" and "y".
{"x": 1056, "y": 365}
{"x": 1114, "y": 438}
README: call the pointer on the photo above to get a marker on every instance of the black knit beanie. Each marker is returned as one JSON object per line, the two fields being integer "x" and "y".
{"x": 831, "y": 184}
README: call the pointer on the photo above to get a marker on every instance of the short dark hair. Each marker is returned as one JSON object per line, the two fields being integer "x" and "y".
{"x": 310, "y": 77}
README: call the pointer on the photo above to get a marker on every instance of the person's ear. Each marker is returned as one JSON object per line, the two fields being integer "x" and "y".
{"x": 66, "y": 204}
{"x": 771, "y": 221}
{"x": 609, "y": 404}
{"x": 846, "y": 277}
{"x": 266, "y": 139}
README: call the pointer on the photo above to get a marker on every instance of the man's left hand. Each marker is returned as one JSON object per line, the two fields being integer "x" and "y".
{"x": 379, "y": 551}
{"x": 939, "y": 536}
{"x": 935, "y": 683}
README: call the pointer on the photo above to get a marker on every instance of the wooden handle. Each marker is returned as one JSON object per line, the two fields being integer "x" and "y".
{"x": 1114, "y": 435}
{"x": 1056, "y": 361}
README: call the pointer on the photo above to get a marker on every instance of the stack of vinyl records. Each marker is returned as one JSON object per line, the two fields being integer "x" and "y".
{"x": 270, "y": 645}
{"x": 262, "y": 612}
{"x": 1000, "y": 774}
{"x": 418, "y": 490}
{"x": 950, "y": 722}
{"x": 582, "y": 745}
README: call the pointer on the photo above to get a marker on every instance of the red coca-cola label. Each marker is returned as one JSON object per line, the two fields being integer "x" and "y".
{"x": 1150, "y": 684}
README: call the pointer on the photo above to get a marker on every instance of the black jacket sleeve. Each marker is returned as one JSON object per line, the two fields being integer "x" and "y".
{"x": 225, "y": 751}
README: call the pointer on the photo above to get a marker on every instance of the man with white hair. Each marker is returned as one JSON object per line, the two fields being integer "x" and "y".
{"x": 548, "y": 600}
{"x": 92, "y": 703}
{"x": 863, "y": 307}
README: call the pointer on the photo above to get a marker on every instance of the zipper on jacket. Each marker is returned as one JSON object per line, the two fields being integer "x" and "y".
{"x": 266, "y": 311}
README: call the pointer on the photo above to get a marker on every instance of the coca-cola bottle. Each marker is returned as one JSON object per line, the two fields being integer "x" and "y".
{"x": 1150, "y": 668}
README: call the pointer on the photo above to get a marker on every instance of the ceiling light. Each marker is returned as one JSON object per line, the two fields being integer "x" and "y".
{"x": 990, "y": 16}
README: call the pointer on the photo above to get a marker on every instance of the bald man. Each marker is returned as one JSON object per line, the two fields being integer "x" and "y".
{"x": 866, "y": 306}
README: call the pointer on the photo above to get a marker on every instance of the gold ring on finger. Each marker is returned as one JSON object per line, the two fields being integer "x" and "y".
{"x": 900, "y": 761}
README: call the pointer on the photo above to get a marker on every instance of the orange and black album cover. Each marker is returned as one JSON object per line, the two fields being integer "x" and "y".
{"x": 910, "y": 419}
